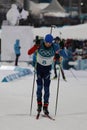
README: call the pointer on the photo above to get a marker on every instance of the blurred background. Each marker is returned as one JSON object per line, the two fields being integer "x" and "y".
{"x": 76, "y": 10}
{"x": 45, "y": 13}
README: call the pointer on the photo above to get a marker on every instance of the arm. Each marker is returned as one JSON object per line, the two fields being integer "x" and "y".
{"x": 57, "y": 57}
{"x": 57, "y": 50}
{"x": 33, "y": 49}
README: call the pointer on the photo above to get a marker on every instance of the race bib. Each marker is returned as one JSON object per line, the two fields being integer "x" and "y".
{"x": 45, "y": 61}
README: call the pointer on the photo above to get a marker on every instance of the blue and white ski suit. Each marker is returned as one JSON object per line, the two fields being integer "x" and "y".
{"x": 44, "y": 62}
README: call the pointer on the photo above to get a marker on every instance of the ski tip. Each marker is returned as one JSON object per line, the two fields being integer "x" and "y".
{"x": 37, "y": 116}
{"x": 48, "y": 116}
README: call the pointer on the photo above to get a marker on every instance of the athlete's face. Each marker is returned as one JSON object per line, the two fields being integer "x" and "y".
{"x": 47, "y": 44}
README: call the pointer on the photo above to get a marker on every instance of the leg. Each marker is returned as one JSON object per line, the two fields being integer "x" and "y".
{"x": 46, "y": 95}
{"x": 39, "y": 94}
{"x": 16, "y": 60}
{"x": 39, "y": 89}
{"x": 46, "y": 90}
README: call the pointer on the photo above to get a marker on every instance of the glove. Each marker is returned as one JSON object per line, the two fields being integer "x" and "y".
{"x": 37, "y": 40}
{"x": 57, "y": 56}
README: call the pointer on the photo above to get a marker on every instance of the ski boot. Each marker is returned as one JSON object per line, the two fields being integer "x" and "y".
{"x": 45, "y": 109}
{"x": 39, "y": 107}
{"x": 55, "y": 77}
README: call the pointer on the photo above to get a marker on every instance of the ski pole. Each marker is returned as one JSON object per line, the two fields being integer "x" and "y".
{"x": 33, "y": 85}
{"x": 57, "y": 92}
{"x": 32, "y": 94}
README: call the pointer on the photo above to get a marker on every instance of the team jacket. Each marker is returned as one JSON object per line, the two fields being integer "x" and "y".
{"x": 44, "y": 54}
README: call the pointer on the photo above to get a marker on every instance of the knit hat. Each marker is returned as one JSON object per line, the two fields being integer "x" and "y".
{"x": 49, "y": 38}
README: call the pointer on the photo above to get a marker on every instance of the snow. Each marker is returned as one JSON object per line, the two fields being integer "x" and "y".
{"x": 73, "y": 32}
{"x": 15, "y": 101}
{"x": 43, "y": 5}
{"x": 58, "y": 14}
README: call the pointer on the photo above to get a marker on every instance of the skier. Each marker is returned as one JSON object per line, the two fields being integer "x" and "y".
{"x": 45, "y": 53}
{"x": 17, "y": 51}
{"x": 60, "y": 45}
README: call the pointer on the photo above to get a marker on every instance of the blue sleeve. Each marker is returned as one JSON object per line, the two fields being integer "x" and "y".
{"x": 56, "y": 47}
{"x": 63, "y": 53}
{"x": 66, "y": 54}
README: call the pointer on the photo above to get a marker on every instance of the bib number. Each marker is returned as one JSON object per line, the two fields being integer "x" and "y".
{"x": 44, "y": 62}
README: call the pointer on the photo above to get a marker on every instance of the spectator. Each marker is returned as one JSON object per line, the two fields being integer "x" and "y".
{"x": 13, "y": 15}
{"x": 57, "y": 43}
{"x": 17, "y": 51}
{"x": 23, "y": 16}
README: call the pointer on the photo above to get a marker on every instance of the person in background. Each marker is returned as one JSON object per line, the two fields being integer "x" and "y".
{"x": 57, "y": 43}
{"x": 13, "y": 15}
{"x": 60, "y": 45}
{"x": 69, "y": 53}
{"x": 44, "y": 59}
{"x": 23, "y": 16}
{"x": 17, "y": 51}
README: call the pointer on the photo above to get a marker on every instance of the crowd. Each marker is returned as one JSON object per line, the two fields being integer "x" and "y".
{"x": 77, "y": 50}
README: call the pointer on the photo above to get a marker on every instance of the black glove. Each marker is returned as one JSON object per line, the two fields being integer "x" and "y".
{"x": 57, "y": 56}
{"x": 37, "y": 40}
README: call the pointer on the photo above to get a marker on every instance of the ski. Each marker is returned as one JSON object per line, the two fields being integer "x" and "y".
{"x": 44, "y": 115}
{"x": 48, "y": 116}
{"x": 37, "y": 116}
